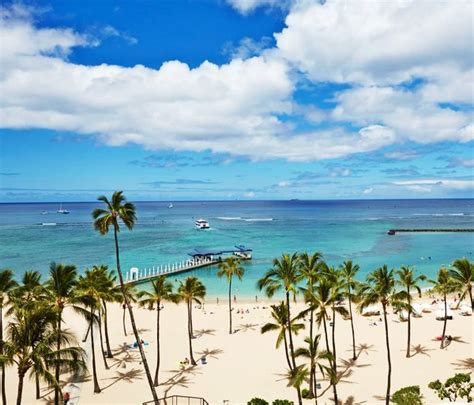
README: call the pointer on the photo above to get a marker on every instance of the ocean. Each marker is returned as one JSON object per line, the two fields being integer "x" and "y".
{"x": 341, "y": 230}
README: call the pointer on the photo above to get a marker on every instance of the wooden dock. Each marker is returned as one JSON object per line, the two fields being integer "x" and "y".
{"x": 394, "y": 231}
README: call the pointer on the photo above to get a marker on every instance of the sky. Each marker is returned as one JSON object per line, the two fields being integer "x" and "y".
{"x": 236, "y": 99}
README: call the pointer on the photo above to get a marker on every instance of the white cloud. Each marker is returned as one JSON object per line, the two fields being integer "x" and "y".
{"x": 248, "y": 6}
{"x": 402, "y": 155}
{"x": 429, "y": 184}
{"x": 378, "y": 41}
{"x": 368, "y": 190}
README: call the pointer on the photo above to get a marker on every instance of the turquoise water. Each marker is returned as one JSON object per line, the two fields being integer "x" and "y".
{"x": 340, "y": 229}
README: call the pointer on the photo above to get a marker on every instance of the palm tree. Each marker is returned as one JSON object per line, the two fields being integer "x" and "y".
{"x": 336, "y": 296}
{"x": 463, "y": 273}
{"x": 229, "y": 268}
{"x": 380, "y": 288}
{"x": 348, "y": 275}
{"x": 118, "y": 209}
{"x": 444, "y": 285}
{"x": 161, "y": 290}
{"x": 284, "y": 275}
{"x": 88, "y": 294}
{"x": 189, "y": 291}
{"x": 310, "y": 266}
{"x": 408, "y": 281}
{"x": 296, "y": 377}
{"x": 279, "y": 315}
{"x": 108, "y": 294}
{"x": 131, "y": 295}
{"x": 7, "y": 284}
{"x": 316, "y": 357}
{"x": 32, "y": 345}
{"x": 60, "y": 290}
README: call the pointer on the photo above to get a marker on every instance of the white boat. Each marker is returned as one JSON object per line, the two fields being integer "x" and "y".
{"x": 48, "y": 224}
{"x": 61, "y": 210}
{"x": 170, "y": 205}
{"x": 201, "y": 224}
{"x": 44, "y": 212}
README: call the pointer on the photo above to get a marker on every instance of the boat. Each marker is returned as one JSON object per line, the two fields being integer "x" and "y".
{"x": 44, "y": 212}
{"x": 170, "y": 205}
{"x": 48, "y": 224}
{"x": 201, "y": 224}
{"x": 62, "y": 210}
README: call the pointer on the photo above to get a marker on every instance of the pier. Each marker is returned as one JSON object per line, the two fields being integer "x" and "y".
{"x": 199, "y": 259}
{"x": 394, "y": 231}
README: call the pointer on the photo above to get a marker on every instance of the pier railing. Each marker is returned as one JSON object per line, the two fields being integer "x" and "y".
{"x": 136, "y": 275}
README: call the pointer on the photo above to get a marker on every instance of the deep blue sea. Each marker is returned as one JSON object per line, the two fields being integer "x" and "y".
{"x": 341, "y": 230}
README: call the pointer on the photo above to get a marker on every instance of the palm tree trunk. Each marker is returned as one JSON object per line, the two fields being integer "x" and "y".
{"x": 157, "y": 343}
{"x": 37, "y": 386}
{"x": 87, "y": 333}
{"x": 123, "y": 319}
{"x": 230, "y": 306}
{"x": 315, "y": 387}
{"x": 470, "y": 296}
{"x": 190, "y": 334}
{"x": 326, "y": 335}
{"x": 300, "y": 400}
{"x": 285, "y": 341}
{"x": 445, "y": 321}
{"x": 387, "y": 341}
{"x": 102, "y": 342}
{"x": 409, "y": 323}
{"x": 132, "y": 320}
{"x": 106, "y": 328}
{"x": 354, "y": 356}
{"x": 4, "y": 394}
{"x": 290, "y": 333}
{"x": 20, "y": 388}
{"x": 57, "y": 370}
{"x": 334, "y": 362}
{"x": 94, "y": 369}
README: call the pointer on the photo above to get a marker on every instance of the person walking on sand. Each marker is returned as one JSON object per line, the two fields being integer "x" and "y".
{"x": 66, "y": 398}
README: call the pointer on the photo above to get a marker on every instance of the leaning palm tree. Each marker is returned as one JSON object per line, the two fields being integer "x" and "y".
{"x": 444, "y": 285}
{"x": 316, "y": 359}
{"x": 279, "y": 315}
{"x": 229, "y": 268}
{"x": 189, "y": 291}
{"x": 348, "y": 275}
{"x": 380, "y": 288}
{"x": 283, "y": 275}
{"x": 409, "y": 282}
{"x": 161, "y": 290}
{"x": 463, "y": 273}
{"x": 60, "y": 293}
{"x": 118, "y": 209}
{"x": 7, "y": 284}
{"x": 32, "y": 345}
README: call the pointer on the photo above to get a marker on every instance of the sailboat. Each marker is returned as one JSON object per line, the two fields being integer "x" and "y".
{"x": 170, "y": 205}
{"x": 61, "y": 210}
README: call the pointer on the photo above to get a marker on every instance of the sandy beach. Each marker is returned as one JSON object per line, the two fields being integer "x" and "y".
{"x": 246, "y": 364}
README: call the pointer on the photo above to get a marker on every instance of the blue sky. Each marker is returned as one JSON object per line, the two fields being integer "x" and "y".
{"x": 235, "y": 99}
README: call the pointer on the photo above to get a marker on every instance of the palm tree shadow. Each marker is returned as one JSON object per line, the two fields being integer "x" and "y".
{"x": 379, "y": 397}
{"x": 128, "y": 376}
{"x": 350, "y": 401}
{"x": 210, "y": 353}
{"x": 464, "y": 364}
{"x": 123, "y": 356}
{"x": 202, "y": 332}
{"x": 179, "y": 379}
{"x": 419, "y": 349}
{"x": 364, "y": 348}
{"x": 246, "y": 327}
{"x": 72, "y": 381}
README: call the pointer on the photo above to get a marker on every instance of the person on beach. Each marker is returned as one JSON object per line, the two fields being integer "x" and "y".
{"x": 66, "y": 398}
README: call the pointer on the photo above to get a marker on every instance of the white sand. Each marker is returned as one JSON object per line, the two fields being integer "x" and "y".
{"x": 246, "y": 364}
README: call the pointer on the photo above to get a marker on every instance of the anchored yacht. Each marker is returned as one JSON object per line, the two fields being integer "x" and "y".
{"x": 201, "y": 224}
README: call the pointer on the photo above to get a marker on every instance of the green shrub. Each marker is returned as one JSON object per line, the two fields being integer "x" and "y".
{"x": 459, "y": 386}
{"x": 408, "y": 396}
{"x": 257, "y": 401}
{"x": 305, "y": 393}
{"x": 282, "y": 402}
